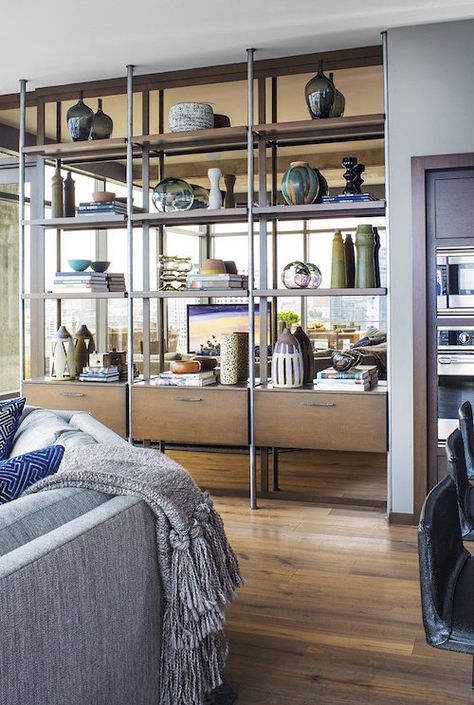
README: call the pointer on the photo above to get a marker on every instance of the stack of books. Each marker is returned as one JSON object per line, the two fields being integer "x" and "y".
{"x": 358, "y": 379}
{"x": 193, "y": 379}
{"x": 116, "y": 282}
{"x": 205, "y": 282}
{"x": 80, "y": 282}
{"x": 100, "y": 374}
{"x": 349, "y": 198}
{"x": 103, "y": 208}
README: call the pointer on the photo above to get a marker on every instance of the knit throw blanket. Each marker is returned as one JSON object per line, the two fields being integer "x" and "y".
{"x": 199, "y": 570}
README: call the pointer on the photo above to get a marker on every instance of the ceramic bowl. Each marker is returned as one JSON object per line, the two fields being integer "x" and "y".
{"x": 100, "y": 266}
{"x": 185, "y": 367}
{"x": 103, "y": 196}
{"x": 207, "y": 363}
{"x": 221, "y": 120}
{"x": 213, "y": 266}
{"x": 187, "y": 117}
{"x": 79, "y": 265}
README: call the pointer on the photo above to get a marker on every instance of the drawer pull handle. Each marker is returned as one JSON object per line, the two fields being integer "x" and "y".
{"x": 72, "y": 394}
{"x": 188, "y": 399}
{"x": 318, "y": 403}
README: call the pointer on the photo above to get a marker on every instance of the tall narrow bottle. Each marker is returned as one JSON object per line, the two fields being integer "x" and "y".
{"x": 338, "y": 265}
{"x": 57, "y": 183}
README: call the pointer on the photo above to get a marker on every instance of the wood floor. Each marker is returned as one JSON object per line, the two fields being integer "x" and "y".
{"x": 330, "y": 613}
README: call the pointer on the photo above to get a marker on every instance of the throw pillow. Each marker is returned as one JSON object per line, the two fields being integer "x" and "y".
{"x": 18, "y": 473}
{"x": 10, "y": 414}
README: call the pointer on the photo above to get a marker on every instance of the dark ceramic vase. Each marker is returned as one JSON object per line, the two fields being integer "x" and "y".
{"x": 349, "y": 257}
{"x": 323, "y": 185}
{"x": 79, "y": 120}
{"x": 339, "y": 103}
{"x": 300, "y": 184}
{"x": 102, "y": 125}
{"x": 307, "y": 352}
{"x": 377, "y": 257}
{"x": 229, "y": 198}
{"x": 69, "y": 196}
{"x": 320, "y": 94}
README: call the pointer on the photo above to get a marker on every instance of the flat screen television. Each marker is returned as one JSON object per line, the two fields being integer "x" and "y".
{"x": 206, "y": 321}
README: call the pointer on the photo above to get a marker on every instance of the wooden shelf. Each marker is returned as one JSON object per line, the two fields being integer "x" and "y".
{"x": 190, "y": 294}
{"x": 192, "y": 217}
{"x": 313, "y": 211}
{"x": 150, "y": 384}
{"x": 79, "y": 295}
{"x": 179, "y": 142}
{"x": 73, "y": 382}
{"x": 113, "y": 148}
{"x": 341, "y": 129}
{"x": 320, "y": 292}
{"x": 312, "y": 388}
{"x": 80, "y": 222}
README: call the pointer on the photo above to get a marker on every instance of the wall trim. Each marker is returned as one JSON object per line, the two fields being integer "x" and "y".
{"x": 401, "y": 518}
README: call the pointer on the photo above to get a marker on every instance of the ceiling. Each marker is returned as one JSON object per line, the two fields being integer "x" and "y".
{"x": 53, "y": 42}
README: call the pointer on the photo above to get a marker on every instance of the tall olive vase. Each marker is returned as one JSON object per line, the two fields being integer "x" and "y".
{"x": 338, "y": 264}
{"x": 300, "y": 184}
{"x": 287, "y": 362}
{"x": 57, "y": 203}
{"x": 365, "y": 266}
{"x": 307, "y": 353}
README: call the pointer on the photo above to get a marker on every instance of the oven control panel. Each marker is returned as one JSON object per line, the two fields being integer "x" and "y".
{"x": 455, "y": 338}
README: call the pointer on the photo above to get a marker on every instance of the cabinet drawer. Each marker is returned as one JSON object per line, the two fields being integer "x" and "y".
{"x": 108, "y": 404}
{"x": 213, "y": 416}
{"x": 306, "y": 419}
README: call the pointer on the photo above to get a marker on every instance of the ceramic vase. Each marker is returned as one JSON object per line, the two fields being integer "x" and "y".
{"x": 323, "y": 185}
{"x": 338, "y": 265}
{"x": 62, "y": 355}
{"x": 365, "y": 267}
{"x": 201, "y": 197}
{"x": 69, "y": 196}
{"x": 349, "y": 257}
{"x": 79, "y": 120}
{"x": 300, "y": 184}
{"x": 242, "y": 356}
{"x": 102, "y": 125}
{"x": 320, "y": 94}
{"x": 215, "y": 196}
{"x": 307, "y": 353}
{"x": 229, "y": 358}
{"x": 229, "y": 199}
{"x": 296, "y": 275}
{"x": 377, "y": 257}
{"x": 339, "y": 102}
{"x": 188, "y": 117}
{"x": 315, "y": 275}
{"x": 57, "y": 185}
{"x": 172, "y": 194}
{"x": 83, "y": 347}
{"x": 287, "y": 362}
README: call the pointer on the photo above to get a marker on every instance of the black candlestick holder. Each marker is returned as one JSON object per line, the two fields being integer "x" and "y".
{"x": 352, "y": 175}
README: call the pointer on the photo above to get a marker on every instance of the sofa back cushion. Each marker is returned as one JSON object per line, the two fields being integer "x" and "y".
{"x": 10, "y": 414}
{"x": 29, "y": 517}
{"x": 42, "y": 427}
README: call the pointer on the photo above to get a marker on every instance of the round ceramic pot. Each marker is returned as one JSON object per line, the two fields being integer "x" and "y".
{"x": 102, "y": 125}
{"x": 300, "y": 184}
{"x": 79, "y": 119}
{"x": 296, "y": 275}
{"x": 187, "y": 117}
{"x": 320, "y": 95}
{"x": 315, "y": 276}
{"x": 172, "y": 195}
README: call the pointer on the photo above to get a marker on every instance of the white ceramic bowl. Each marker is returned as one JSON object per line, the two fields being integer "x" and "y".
{"x": 186, "y": 117}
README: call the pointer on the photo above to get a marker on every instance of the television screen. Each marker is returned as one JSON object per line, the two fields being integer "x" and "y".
{"x": 206, "y": 321}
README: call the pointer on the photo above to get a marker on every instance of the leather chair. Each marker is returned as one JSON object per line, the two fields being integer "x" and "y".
{"x": 466, "y": 426}
{"x": 446, "y": 573}
{"x": 465, "y": 491}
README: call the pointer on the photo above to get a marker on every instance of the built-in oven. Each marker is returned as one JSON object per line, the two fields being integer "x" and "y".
{"x": 455, "y": 280}
{"x": 455, "y": 375}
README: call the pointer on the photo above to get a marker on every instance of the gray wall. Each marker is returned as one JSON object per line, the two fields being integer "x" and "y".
{"x": 430, "y": 111}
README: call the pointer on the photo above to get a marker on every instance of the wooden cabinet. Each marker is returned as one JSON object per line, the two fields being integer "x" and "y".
{"x": 106, "y": 402}
{"x": 216, "y": 416}
{"x": 355, "y": 421}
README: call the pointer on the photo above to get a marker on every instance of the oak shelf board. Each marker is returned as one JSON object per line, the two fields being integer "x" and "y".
{"x": 73, "y": 295}
{"x": 190, "y": 294}
{"x": 114, "y": 147}
{"x": 72, "y": 382}
{"x": 80, "y": 222}
{"x": 198, "y": 216}
{"x": 380, "y": 389}
{"x": 177, "y": 142}
{"x": 320, "y": 292}
{"x": 150, "y": 384}
{"x": 314, "y": 211}
{"x": 340, "y": 129}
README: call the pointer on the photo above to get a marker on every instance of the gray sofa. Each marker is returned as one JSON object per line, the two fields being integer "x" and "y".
{"x": 80, "y": 590}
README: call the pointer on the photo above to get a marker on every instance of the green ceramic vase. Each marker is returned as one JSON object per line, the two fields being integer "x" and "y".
{"x": 300, "y": 184}
{"x": 338, "y": 264}
{"x": 365, "y": 266}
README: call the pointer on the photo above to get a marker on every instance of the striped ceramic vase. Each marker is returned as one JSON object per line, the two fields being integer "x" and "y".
{"x": 287, "y": 362}
{"x": 300, "y": 184}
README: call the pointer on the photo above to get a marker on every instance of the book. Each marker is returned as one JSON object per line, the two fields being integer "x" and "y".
{"x": 348, "y": 198}
{"x": 182, "y": 382}
{"x": 335, "y": 385}
{"x": 343, "y": 382}
{"x": 96, "y": 275}
{"x": 359, "y": 372}
{"x": 98, "y": 378}
{"x": 206, "y": 374}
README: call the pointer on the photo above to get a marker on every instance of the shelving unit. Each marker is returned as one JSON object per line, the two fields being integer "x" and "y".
{"x": 257, "y": 137}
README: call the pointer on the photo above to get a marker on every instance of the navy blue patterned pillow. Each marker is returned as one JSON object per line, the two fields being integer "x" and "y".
{"x": 10, "y": 414}
{"x": 18, "y": 473}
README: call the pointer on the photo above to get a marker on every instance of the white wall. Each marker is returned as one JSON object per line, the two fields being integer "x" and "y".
{"x": 430, "y": 111}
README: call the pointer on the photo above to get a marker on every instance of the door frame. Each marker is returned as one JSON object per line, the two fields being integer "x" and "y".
{"x": 420, "y": 166}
